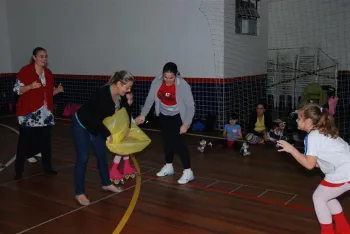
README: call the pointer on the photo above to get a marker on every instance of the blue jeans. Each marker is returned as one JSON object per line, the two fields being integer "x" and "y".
{"x": 82, "y": 141}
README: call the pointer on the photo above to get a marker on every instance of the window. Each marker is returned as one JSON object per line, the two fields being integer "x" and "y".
{"x": 247, "y": 16}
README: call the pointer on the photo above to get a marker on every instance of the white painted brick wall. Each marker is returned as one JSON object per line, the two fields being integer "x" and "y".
{"x": 244, "y": 55}
{"x": 5, "y": 54}
{"x": 213, "y": 11}
{"x": 235, "y": 55}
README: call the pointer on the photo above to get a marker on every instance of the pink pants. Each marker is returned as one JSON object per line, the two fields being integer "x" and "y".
{"x": 325, "y": 201}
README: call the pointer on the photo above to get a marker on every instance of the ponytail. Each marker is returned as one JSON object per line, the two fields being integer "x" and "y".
{"x": 113, "y": 78}
{"x": 326, "y": 124}
{"x": 120, "y": 76}
{"x": 321, "y": 119}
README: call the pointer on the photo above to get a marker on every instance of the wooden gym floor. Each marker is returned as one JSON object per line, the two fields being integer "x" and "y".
{"x": 266, "y": 192}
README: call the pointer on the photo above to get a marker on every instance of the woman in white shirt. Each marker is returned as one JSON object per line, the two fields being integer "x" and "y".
{"x": 326, "y": 150}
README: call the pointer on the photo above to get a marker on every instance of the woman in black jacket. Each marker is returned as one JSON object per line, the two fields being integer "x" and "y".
{"x": 260, "y": 123}
{"x": 88, "y": 129}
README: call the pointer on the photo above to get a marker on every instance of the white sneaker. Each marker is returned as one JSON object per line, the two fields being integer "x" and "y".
{"x": 32, "y": 160}
{"x": 186, "y": 177}
{"x": 167, "y": 170}
{"x": 38, "y": 155}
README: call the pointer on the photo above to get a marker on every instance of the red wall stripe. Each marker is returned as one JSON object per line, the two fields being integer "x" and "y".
{"x": 150, "y": 78}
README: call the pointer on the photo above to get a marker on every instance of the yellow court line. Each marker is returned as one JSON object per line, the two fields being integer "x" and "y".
{"x": 134, "y": 198}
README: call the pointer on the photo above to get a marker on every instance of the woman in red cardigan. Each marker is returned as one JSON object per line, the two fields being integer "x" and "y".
{"x": 35, "y": 87}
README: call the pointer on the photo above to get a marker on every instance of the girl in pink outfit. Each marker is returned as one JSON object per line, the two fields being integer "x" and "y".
{"x": 128, "y": 171}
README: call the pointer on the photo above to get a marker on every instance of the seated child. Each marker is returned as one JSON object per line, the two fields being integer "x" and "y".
{"x": 115, "y": 175}
{"x": 276, "y": 133}
{"x": 232, "y": 131}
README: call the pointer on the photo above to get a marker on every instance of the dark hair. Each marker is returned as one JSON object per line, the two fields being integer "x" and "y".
{"x": 35, "y": 52}
{"x": 321, "y": 119}
{"x": 121, "y": 76}
{"x": 275, "y": 124}
{"x": 171, "y": 67}
{"x": 233, "y": 117}
{"x": 260, "y": 103}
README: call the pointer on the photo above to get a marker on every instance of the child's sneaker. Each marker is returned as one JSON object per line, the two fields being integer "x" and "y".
{"x": 186, "y": 177}
{"x": 32, "y": 160}
{"x": 129, "y": 171}
{"x": 167, "y": 170}
{"x": 114, "y": 174}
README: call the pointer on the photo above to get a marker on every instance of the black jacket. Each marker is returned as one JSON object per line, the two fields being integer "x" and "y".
{"x": 100, "y": 105}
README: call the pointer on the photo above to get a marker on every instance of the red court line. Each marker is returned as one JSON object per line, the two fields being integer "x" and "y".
{"x": 219, "y": 191}
{"x": 203, "y": 188}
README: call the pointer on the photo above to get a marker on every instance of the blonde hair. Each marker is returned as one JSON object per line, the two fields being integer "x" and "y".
{"x": 121, "y": 76}
{"x": 321, "y": 119}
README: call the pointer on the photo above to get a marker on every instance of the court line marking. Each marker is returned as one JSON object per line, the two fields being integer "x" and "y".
{"x": 77, "y": 209}
{"x": 212, "y": 184}
{"x": 58, "y": 168}
{"x": 290, "y": 199}
{"x": 6, "y": 116}
{"x": 229, "y": 193}
{"x": 25, "y": 178}
{"x": 29, "y": 177}
{"x": 237, "y": 188}
{"x": 262, "y": 194}
{"x": 206, "y": 188}
{"x": 228, "y": 182}
{"x": 221, "y": 181}
{"x": 8, "y": 163}
{"x": 243, "y": 185}
{"x": 152, "y": 178}
{"x": 135, "y": 197}
{"x": 206, "y": 178}
{"x": 217, "y": 181}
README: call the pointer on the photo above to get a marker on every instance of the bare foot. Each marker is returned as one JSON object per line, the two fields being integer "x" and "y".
{"x": 82, "y": 199}
{"x": 112, "y": 188}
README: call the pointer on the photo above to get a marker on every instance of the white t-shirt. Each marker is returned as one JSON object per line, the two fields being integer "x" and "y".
{"x": 333, "y": 156}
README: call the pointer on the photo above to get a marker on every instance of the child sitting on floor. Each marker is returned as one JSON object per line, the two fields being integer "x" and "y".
{"x": 128, "y": 171}
{"x": 232, "y": 131}
{"x": 276, "y": 132}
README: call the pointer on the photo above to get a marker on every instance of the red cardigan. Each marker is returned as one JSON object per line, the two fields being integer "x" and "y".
{"x": 33, "y": 99}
